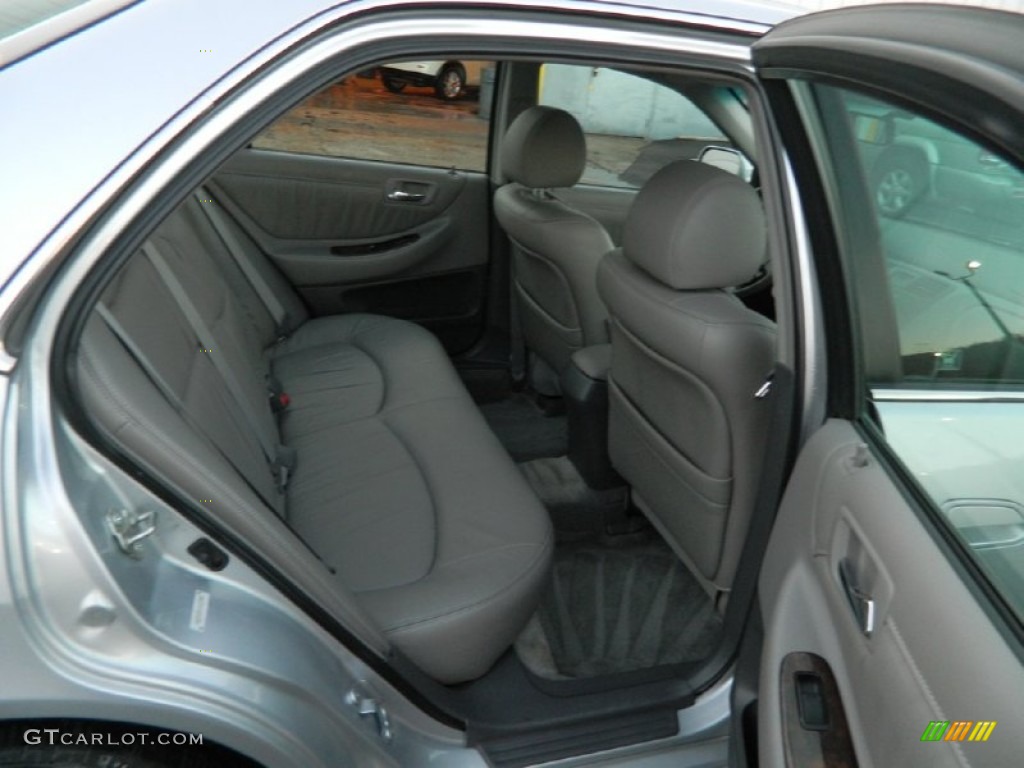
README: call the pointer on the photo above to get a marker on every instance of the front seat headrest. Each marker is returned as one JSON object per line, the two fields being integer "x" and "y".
{"x": 695, "y": 227}
{"x": 544, "y": 147}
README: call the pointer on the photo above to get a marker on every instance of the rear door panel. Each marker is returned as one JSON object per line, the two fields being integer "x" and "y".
{"x": 863, "y": 571}
{"x": 933, "y": 654}
{"x": 366, "y": 236}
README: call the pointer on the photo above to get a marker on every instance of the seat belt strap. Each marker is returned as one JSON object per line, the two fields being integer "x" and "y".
{"x": 517, "y": 343}
{"x": 206, "y": 341}
{"x": 252, "y": 274}
{"x": 169, "y": 394}
{"x": 140, "y": 357}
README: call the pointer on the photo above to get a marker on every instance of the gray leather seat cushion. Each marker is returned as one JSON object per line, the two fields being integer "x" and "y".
{"x": 368, "y": 358}
{"x": 399, "y": 485}
{"x": 402, "y": 487}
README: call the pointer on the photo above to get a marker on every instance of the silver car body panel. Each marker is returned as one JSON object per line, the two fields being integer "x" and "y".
{"x": 155, "y": 640}
{"x": 26, "y": 27}
{"x": 809, "y": 358}
{"x": 159, "y": 640}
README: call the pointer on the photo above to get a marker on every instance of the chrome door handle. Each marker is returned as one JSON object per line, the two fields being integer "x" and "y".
{"x": 401, "y": 196}
{"x": 861, "y": 603}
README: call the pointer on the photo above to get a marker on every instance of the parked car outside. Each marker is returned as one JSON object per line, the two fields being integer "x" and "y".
{"x": 914, "y": 160}
{"x": 449, "y": 79}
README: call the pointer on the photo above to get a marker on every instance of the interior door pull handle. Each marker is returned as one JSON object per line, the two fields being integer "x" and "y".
{"x": 401, "y": 196}
{"x": 861, "y": 603}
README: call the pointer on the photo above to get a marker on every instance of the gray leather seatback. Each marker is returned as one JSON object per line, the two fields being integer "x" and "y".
{"x": 556, "y": 248}
{"x": 687, "y": 356}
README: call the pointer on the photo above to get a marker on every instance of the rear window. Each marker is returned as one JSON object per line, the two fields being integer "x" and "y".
{"x": 633, "y": 125}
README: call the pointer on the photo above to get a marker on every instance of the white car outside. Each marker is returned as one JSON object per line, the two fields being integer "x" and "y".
{"x": 449, "y": 79}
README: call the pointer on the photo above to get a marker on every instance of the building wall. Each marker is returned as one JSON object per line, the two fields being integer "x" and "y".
{"x": 618, "y": 104}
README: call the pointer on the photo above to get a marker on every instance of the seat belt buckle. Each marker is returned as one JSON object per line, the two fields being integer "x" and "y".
{"x": 284, "y": 465}
{"x": 279, "y": 401}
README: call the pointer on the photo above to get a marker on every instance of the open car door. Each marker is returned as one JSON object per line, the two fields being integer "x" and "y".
{"x": 892, "y": 589}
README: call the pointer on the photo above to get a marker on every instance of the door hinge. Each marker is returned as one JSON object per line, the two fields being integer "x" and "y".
{"x": 368, "y": 707}
{"x": 129, "y": 528}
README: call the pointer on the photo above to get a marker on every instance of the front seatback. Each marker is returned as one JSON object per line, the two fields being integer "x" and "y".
{"x": 685, "y": 429}
{"x": 556, "y": 249}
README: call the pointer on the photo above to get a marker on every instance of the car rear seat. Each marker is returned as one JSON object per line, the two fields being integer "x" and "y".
{"x": 394, "y": 479}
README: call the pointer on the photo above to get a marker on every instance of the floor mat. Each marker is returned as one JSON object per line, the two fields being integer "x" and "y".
{"x": 614, "y": 609}
{"x": 576, "y": 510}
{"x": 525, "y": 432}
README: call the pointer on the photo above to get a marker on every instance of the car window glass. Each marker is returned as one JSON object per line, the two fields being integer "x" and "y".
{"x": 950, "y": 217}
{"x": 633, "y": 125}
{"x": 427, "y": 113}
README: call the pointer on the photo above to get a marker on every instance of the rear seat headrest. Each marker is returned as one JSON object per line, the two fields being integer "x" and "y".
{"x": 695, "y": 227}
{"x": 544, "y": 147}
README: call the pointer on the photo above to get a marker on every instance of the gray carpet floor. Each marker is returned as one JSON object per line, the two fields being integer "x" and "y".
{"x": 525, "y": 432}
{"x": 576, "y": 510}
{"x": 617, "y": 608}
{"x": 613, "y": 604}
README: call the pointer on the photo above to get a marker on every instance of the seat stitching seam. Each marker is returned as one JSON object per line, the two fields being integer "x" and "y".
{"x": 430, "y": 491}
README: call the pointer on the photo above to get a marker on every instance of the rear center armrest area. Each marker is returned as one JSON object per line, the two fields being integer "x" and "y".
{"x": 380, "y": 461}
